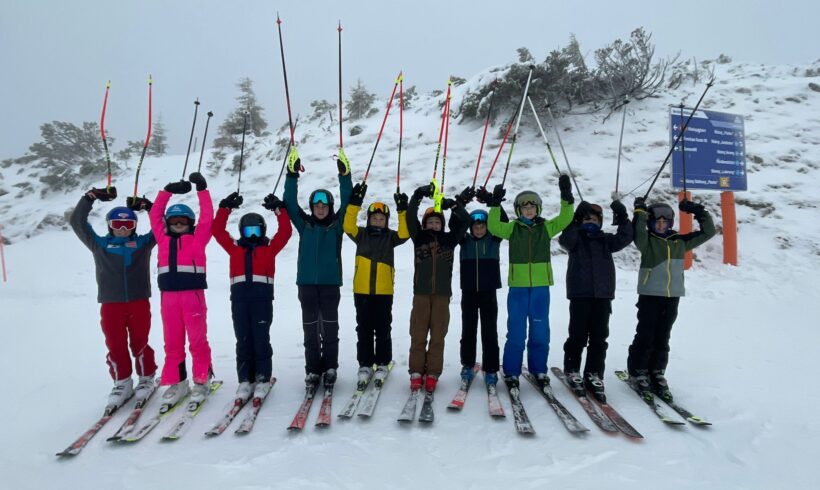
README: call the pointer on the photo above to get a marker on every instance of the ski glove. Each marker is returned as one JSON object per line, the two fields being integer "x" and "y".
{"x": 483, "y": 196}
{"x": 688, "y": 206}
{"x": 498, "y": 195}
{"x": 357, "y": 196}
{"x": 619, "y": 210}
{"x": 342, "y": 162}
{"x": 272, "y": 203}
{"x": 138, "y": 203}
{"x": 466, "y": 196}
{"x": 447, "y": 203}
{"x": 566, "y": 188}
{"x": 199, "y": 180}
{"x": 294, "y": 162}
{"x": 233, "y": 201}
{"x": 108, "y": 194}
{"x": 401, "y": 201}
{"x": 423, "y": 191}
{"x": 640, "y": 204}
{"x": 181, "y": 187}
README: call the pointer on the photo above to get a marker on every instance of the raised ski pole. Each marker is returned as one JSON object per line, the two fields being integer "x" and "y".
{"x": 621, "y": 143}
{"x": 242, "y": 149}
{"x": 386, "y": 112}
{"x": 204, "y": 139}
{"x": 341, "y": 142}
{"x": 147, "y": 138}
{"x": 285, "y": 160}
{"x": 190, "y": 139}
{"x": 563, "y": 151}
{"x": 484, "y": 135}
{"x": 104, "y": 139}
{"x": 401, "y": 132}
{"x": 517, "y": 124}
{"x": 440, "y": 195}
{"x": 544, "y": 135}
{"x": 680, "y": 135}
{"x": 285, "y": 74}
{"x": 683, "y": 152}
{"x": 444, "y": 110}
{"x": 500, "y": 149}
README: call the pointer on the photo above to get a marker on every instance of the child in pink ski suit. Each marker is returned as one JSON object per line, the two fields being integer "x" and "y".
{"x": 181, "y": 261}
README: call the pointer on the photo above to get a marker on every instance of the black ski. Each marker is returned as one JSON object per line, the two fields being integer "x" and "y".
{"x": 649, "y": 398}
{"x": 570, "y": 422}
{"x": 426, "y": 414}
{"x": 590, "y": 408}
{"x": 522, "y": 422}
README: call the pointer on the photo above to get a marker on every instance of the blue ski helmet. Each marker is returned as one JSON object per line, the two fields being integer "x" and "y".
{"x": 121, "y": 212}
{"x": 180, "y": 210}
{"x": 478, "y": 216}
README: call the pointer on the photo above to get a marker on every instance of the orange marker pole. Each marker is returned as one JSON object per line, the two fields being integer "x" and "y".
{"x": 727, "y": 209}
{"x": 685, "y": 227}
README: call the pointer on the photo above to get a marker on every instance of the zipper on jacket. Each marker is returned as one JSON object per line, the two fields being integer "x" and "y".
{"x": 435, "y": 241}
{"x": 529, "y": 245}
{"x": 668, "y": 269}
{"x": 476, "y": 266}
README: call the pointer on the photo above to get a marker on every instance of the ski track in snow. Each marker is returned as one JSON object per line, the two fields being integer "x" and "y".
{"x": 743, "y": 347}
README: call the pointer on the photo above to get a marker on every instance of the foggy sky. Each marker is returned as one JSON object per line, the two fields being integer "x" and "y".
{"x": 57, "y": 55}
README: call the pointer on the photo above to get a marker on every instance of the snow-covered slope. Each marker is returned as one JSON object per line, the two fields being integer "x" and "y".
{"x": 743, "y": 348}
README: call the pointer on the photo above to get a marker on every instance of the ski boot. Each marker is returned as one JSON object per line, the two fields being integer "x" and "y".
{"x": 175, "y": 393}
{"x": 311, "y": 382}
{"x": 244, "y": 391}
{"x": 200, "y": 391}
{"x": 262, "y": 387}
{"x": 329, "y": 378}
{"x": 430, "y": 382}
{"x": 511, "y": 382}
{"x": 380, "y": 375}
{"x": 576, "y": 383}
{"x": 639, "y": 381}
{"x": 659, "y": 385}
{"x": 145, "y": 386}
{"x": 595, "y": 385}
{"x": 543, "y": 380}
{"x": 363, "y": 377}
{"x": 416, "y": 380}
{"x": 467, "y": 374}
{"x": 123, "y": 390}
{"x": 491, "y": 378}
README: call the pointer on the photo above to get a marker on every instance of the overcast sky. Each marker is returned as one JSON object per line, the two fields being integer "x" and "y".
{"x": 57, "y": 54}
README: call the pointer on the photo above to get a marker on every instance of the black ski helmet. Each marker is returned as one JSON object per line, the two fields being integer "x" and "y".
{"x": 594, "y": 210}
{"x": 378, "y": 207}
{"x": 252, "y": 219}
{"x": 321, "y": 195}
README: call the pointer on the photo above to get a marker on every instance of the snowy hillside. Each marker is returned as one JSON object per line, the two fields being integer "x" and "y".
{"x": 744, "y": 343}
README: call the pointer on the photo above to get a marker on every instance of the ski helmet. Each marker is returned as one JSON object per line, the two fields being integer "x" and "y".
{"x": 431, "y": 213}
{"x": 252, "y": 225}
{"x": 592, "y": 210}
{"x": 180, "y": 210}
{"x": 378, "y": 207}
{"x": 527, "y": 197}
{"x": 660, "y": 210}
{"x": 478, "y": 216}
{"x": 121, "y": 214}
{"x": 323, "y": 196}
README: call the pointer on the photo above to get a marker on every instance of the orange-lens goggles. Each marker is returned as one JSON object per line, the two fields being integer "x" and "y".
{"x": 379, "y": 207}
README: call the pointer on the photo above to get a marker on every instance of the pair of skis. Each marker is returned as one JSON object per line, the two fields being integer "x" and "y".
{"x": 236, "y": 406}
{"x": 651, "y": 400}
{"x": 521, "y": 420}
{"x": 77, "y": 446}
{"x": 364, "y": 398}
{"x": 493, "y": 402}
{"x": 408, "y": 413}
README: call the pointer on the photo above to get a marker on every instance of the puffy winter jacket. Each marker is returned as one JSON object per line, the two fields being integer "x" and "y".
{"x": 530, "y": 264}
{"x": 661, "y": 271}
{"x": 252, "y": 265}
{"x": 435, "y": 251}
{"x": 320, "y": 244}
{"x": 375, "y": 270}
{"x": 480, "y": 264}
{"x": 122, "y": 264}
{"x": 591, "y": 269}
{"x": 181, "y": 259}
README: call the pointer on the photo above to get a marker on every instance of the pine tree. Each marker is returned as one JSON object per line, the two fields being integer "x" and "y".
{"x": 159, "y": 141}
{"x": 360, "y": 101}
{"x": 230, "y": 131}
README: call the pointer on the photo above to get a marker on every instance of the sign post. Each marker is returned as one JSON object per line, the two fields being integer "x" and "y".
{"x": 715, "y": 160}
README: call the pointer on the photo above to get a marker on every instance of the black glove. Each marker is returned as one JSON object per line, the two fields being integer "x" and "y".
{"x": 108, "y": 194}
{"x": 199, "y": 180}
{"x": 272, "y": 203}
{"x": 640, "y": 204}
{"x": 233, "y": 201}
{"x": 498, "y": 195}
{"x": 566, "y": 188}
{"x": 688, "y": 206}
{"x": 447, "y": 203}
{"x": 401, "y": 201}
{"x": 619, "y": 211}
{"x": 466, "y": 196}
{"x": 138, "y": 203}
{"x": 483, "y": 196}
{"x": 181, "y": 187}
{"x": 582, "y": 211}
{"x": 423, "y": 191}
{"x": 357, "y": 196}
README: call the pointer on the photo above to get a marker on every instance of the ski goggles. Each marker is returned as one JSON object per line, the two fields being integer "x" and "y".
{"x": 528, "y": 203}
{"x": 478, "y": 217}
{"x": 663, "y": 212}
{"x": 378, "y": 207}
{"x": 178, "y": 220}
{"x": 249, "y": 231}
{"x": 321, "y": 197}
{"x": 122, "y": 224}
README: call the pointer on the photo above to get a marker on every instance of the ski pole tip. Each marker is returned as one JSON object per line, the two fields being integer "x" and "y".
{"x": 210, "y": 113}
{"x": 108, "y": 85}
